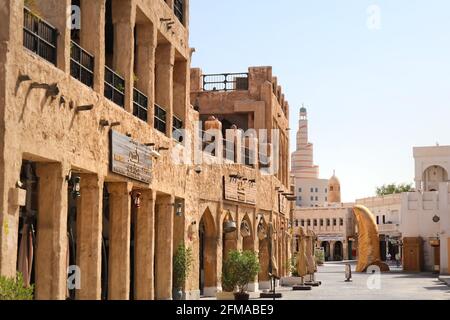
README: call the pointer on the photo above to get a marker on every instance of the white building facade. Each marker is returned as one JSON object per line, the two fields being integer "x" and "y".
{"x": 425, "y": 213}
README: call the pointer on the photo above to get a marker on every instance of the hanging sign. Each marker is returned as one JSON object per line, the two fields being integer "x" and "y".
{"x": 240, "y": 190}
{"x": 130, "y": 158}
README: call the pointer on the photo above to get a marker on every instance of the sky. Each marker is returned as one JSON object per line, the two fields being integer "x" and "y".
{"x": 374, "y": 75}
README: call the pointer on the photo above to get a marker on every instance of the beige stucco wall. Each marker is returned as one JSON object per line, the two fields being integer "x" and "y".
{"x": 45, "y": 130}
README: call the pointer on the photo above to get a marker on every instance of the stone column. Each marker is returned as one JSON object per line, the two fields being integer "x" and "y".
{"x": 146, "y": 39}
{"x": 165, "y": 59}
{"x": 51, "y": 250}
{"x": 119, "y": 241}
{"x": 164, "y": 247}
{"x": 93, "y": 37}
{"x": 124, "y": 18}
{"x": 145, "y": 247}
{"x": 89, "y": 237}
{"x": 332, "y": 243}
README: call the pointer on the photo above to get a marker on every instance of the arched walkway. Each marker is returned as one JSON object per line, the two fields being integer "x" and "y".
{"x": 207, "y": 253}
{"x": 326, "y": 249}
{"x": 338, "y": 251}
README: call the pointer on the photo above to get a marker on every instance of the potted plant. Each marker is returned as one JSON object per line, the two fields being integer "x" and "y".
{"x": 293, "y": 265}
{"x": 182, "y": 262}
{"x": 228, "y": 283}
{"x": 244, "y": 267}
{"x": 14, "y": 289}
{"x": 320, "y": 256}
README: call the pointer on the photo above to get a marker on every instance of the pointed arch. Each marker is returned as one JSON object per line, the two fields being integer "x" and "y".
{"x": 207, "y": 252}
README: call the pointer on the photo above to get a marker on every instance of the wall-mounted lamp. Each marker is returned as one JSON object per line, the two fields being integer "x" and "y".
{"x": 178, "y": 208}
{"x": 436, "y": 219}
{"x": 88, "y": 107}
{"x": 136, "y": 196}
{"x": 74, "y": 185}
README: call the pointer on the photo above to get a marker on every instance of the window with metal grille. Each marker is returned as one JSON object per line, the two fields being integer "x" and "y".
{"x": 160, "y": 119}
{"x": 39, "y": 36}
{"x": 140, "y": 105}
{"x": 178, "y": 9}
{"x": 225, "y": 82}
{"x": 114, "y": 87}
{"x": 81, "y": 65}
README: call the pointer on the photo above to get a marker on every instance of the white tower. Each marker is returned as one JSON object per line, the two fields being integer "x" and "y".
{"x": 303, "y": 158}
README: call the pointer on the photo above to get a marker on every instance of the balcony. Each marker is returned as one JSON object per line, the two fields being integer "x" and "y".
{"x": 39, "y": 36}
{"x": 160, "y": 119}
{"x": 140, "y": 105}
{"x": 114, "y": 87}
{"x": 225, "y": 82}
{"x": 81, "y": 65}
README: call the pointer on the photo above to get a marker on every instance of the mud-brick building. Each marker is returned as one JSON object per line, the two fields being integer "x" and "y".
{"x": 246, "y": 104}
{"x": 88, "y": 181}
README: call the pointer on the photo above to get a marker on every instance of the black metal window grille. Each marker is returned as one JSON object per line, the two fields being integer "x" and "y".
{"x": 249, "y": 157}
{"x": 160, "y": 119}
{"x": 81, "y": 65}
{"x": 114, "y": 87}
{"x": 140, "y": 105}
{"x": 39, "y": 36}
{"x": 178, "y": 9}
{"x": 225, "y": 82}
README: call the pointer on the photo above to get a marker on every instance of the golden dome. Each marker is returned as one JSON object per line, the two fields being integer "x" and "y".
{"x": 334, "y": 189}
{"x": 334, "y": 181}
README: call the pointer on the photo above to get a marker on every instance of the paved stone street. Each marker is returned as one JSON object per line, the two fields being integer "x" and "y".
{"x": 394, "y": 286}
